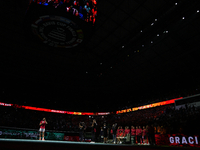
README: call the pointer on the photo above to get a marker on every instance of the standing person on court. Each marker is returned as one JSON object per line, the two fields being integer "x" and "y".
{"x": 118, "y": 129}
{"x": 105, "y": 133}
{"x": 81, "y": 131}
{"x": 140, "y": 140}
{"x": 151, "y": 135}
{"x": 144, "y": 135}
{"x": 114, "y": 132}
{"x": 42, "y": 128}
{"x": 101, "y": 134}
{"x": 94, "y": 129}
{"x": 137, "y": 135}
{"x": 133, "y": 134}
{"x": 126, "y": 131}
{"x": 147, "y": 134}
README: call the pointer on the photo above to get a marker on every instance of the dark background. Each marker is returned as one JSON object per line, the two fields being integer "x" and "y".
{"x": 113, "y": 69}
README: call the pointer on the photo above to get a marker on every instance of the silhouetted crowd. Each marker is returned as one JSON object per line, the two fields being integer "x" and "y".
{"x": 163, "y": 119}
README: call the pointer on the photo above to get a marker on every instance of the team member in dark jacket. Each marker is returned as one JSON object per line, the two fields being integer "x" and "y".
{"x": 94, "y": 126}
{"x": 105, "y": 133}
{"x": 81, "y": 130}
{"x": 114, "y": 132}
{"x": 151, "y": 134}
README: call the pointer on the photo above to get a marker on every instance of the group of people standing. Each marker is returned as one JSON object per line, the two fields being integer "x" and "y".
{"x": 82, "y": 128}
{"x": 135, "y": 135}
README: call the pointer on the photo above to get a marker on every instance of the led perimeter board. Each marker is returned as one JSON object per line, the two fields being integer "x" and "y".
{"x": 61, "y": 23}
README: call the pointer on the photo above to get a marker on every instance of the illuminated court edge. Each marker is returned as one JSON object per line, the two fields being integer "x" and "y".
{"x": 88, "y": 143}
{"x": 63, "y": 142}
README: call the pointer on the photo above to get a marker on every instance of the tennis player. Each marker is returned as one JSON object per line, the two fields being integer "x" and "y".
{"x": 42, "y": 128}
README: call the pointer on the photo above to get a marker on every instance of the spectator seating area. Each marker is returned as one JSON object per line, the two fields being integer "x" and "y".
{"x": 164, "y": 118}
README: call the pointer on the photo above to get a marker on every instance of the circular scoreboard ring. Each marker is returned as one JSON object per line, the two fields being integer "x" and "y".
{"x": 56, "y": 27}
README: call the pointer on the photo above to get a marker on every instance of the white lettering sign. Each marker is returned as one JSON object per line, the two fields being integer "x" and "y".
{"x": 171, "y": 139}
{"x": 189, "y": 140}
{"x": 177, "y": 139}
{"x": 184, "y": 140}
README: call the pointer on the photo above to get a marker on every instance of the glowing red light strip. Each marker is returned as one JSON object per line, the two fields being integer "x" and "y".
{"x": 149, "y": 106}
{"x": 87, "y": 113}
{"x": 53, "y": 111}
{"x": 98, "y": 113}
{"x": 36, "y": 108}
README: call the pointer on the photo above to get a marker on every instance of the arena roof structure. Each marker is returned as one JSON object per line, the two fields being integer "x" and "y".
{"x": 139, "y": 49}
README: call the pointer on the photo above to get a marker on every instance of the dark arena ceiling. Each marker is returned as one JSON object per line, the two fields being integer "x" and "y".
{"x": 139, "y": 49}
